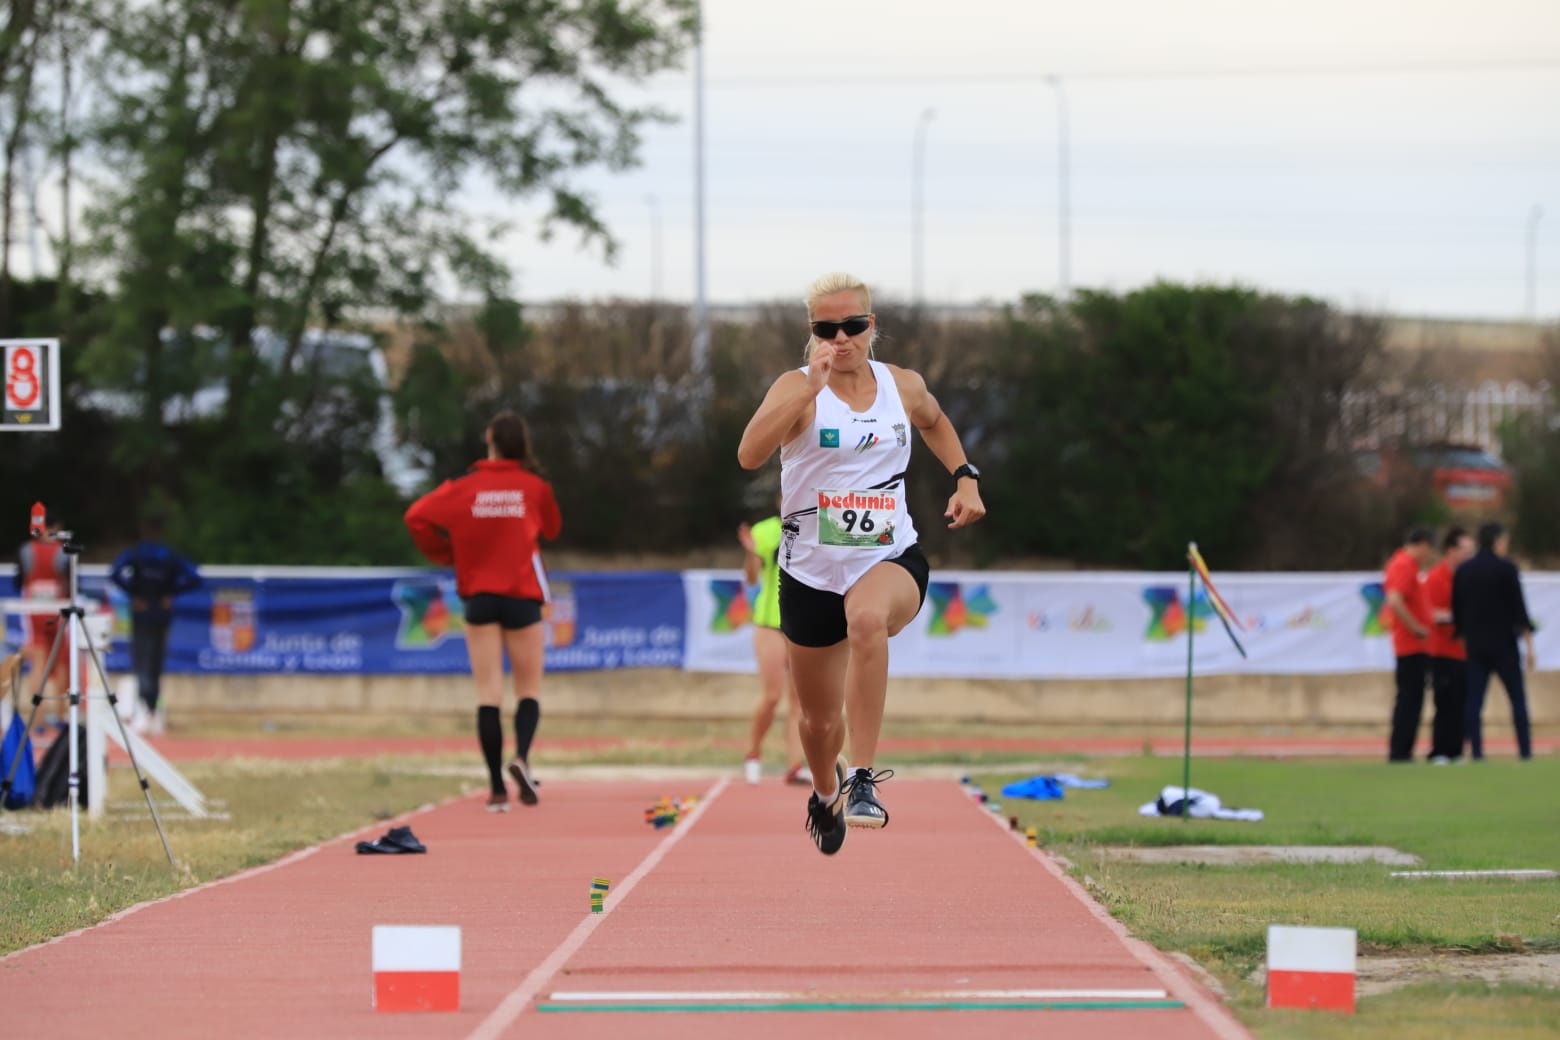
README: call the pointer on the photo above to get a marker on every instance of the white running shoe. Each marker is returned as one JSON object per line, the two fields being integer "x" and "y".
{"x": 752, "y": 770}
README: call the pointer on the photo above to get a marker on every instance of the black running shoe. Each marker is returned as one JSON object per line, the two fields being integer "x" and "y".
{"x": 862, "y": 808}
{"x": 826, "y": 822}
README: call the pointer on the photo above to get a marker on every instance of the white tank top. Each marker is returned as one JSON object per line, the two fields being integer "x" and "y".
{"x": 842, "y": 489}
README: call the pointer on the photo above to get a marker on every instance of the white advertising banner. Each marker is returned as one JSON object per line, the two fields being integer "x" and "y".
{"x": 718, "y": 633}
{"x": 1005, "y": 625}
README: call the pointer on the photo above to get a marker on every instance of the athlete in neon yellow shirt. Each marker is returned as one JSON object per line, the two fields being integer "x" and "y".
{"x": 761, "y": 567}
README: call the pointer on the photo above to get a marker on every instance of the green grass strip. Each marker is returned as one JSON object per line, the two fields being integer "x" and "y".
{"x": 831, "y": 1005}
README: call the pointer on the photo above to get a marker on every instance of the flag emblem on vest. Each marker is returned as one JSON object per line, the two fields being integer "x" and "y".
{"x": 867, "y": 441}
{"x": 829, "y": 438}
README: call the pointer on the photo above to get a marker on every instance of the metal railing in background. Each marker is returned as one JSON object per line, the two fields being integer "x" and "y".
{"x": 1442, "y": 414}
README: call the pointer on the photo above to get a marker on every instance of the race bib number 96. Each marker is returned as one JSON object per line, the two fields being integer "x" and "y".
{"x": 857, "y": 519}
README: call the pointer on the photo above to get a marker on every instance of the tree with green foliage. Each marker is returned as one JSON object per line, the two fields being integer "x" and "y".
{"x": 23, "y": 36}
{"x": 1133, "y": 424}
{"x": 285, "y": 165}
{"x": 1531, "y": 447}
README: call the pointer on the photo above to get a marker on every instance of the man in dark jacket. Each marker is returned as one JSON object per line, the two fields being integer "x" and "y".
{"x": 1489, "y": 613}
{"x": 151, "y": 574}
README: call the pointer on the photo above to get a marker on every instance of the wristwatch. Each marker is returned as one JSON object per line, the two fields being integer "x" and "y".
{"x": 967, "y": 470}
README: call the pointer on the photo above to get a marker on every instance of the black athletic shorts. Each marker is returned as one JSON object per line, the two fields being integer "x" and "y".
{"x": 487, "y": 608}
{"x": 813, "y": 617}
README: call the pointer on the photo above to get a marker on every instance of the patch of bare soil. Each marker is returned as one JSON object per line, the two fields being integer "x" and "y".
{"x": 1381, "y": 974}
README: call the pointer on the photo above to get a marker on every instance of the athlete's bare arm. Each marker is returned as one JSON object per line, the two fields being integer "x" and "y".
{"x": 927, "y": 415}
{"x": 965, "y": 506}
{"x": 786, "y": 410}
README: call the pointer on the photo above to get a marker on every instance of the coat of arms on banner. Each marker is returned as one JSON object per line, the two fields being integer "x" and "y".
{"x": 559, "y": 614}
{"x": 233, "y": 623}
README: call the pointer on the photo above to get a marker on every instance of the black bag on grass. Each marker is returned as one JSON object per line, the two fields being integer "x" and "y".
{"x": 54, "y": 771}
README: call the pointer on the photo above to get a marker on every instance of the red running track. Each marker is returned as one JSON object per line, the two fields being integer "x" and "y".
{"x": 734, "y": 898}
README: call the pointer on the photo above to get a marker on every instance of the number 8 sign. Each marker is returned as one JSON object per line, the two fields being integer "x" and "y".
{"x": 32, "y": 384}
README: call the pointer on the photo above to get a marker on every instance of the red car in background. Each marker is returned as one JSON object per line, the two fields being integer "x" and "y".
{"x": 1465, "y": 477}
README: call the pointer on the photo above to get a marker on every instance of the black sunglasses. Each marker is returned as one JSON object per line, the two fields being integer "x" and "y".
{"x": 853, "y": 326}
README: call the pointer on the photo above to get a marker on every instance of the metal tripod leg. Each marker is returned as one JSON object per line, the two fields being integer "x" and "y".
{"x": 69, "y": 614}
{"x": 113, "y": 703}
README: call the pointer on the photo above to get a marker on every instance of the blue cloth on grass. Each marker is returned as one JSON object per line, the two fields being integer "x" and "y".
{"x": 20, "y": 795}
{"x": 1068, "y": 780}
{"x": 1036, "y": 787}
{"x": 1043, "y": 788}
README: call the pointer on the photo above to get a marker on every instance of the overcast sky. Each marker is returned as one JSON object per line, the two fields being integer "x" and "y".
{"x": 1382, "y": 154}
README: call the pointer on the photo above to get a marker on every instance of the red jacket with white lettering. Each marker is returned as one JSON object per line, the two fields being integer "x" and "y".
{"x": 489, "y": 524}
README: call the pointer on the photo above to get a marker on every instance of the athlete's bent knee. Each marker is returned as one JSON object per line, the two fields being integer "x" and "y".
{"x": 866, "y": 629}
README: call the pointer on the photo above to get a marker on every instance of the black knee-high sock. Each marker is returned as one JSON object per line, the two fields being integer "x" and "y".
{"x": 527, "y": 714}
{"x": 490, "y": 733}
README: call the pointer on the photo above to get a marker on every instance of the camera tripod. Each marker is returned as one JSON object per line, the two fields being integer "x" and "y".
{"x": 72, "y": 634}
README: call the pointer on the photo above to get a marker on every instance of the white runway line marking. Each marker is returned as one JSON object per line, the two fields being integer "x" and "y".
{"x": 718, "y": 996}
{"x": 513, "y": 1005}
{"x": 1518, "y": 875}
{"x": 1201, "y": 1003}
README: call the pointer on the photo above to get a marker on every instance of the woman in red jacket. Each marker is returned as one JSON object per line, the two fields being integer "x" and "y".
{"x": 489, "y": 524}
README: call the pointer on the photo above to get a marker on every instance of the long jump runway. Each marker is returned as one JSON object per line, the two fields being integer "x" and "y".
{"x": 728, "y": 924}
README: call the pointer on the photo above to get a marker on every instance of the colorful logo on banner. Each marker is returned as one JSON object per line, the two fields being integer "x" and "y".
{"x": 1305, "y": 617}
{"x": 1378, "y": 620}
{"x": 233, "y": 620}
{"x": 956, "y": 607}
{"x": 431, "y": 611}
{"x": 1086, "y": 618}
{"x": 1167, "y": 614}
{"x": 733, "y": 609}
{"x": 560, "y": 615}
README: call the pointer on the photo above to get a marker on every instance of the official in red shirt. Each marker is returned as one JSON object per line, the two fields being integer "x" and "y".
{"x": 1448, "y": 659}
{"x": 43, "y": 573}
{"x": 489, "y": 524}
{"x": 1410, "y": 613}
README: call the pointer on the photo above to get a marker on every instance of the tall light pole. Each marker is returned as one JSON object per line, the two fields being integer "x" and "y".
{"x": 701, "y": 316}
{"x": 1534, "y": 215}
{"x": 917, "y": 207}
{"x": 655, "y": 248}
{"x": 1063, "y": 200}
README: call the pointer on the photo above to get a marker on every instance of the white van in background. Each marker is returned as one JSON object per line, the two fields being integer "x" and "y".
{"x": 330, "y": 352}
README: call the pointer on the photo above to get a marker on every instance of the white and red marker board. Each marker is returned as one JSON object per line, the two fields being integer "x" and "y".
{"x": 1310, "y": 968}
{"x": 416, "y": 967}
